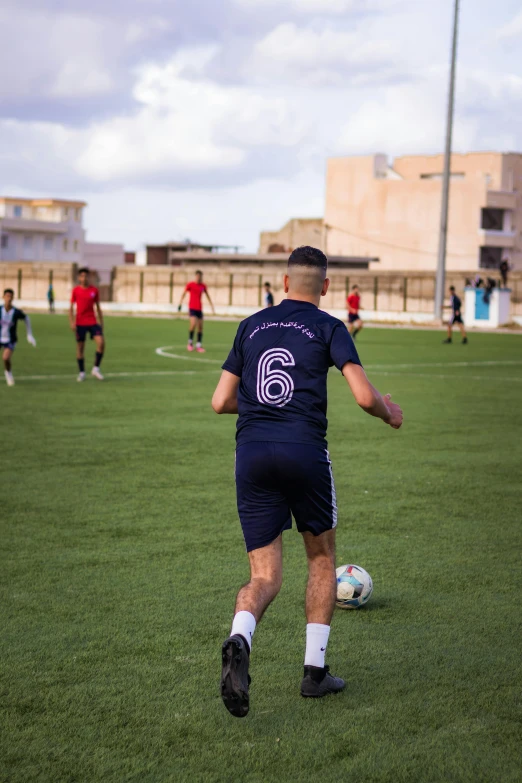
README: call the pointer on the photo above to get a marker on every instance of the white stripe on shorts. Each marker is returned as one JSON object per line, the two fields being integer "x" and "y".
{"x": 334, "y": 495}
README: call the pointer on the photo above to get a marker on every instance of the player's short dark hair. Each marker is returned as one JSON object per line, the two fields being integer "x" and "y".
{"x": 199, "y": 272}
{"x": 267, "y": 284}
{"x": 452, "y": 287}
{"x": 354, "y": 287}
{"x": 308, "y": 256}
{"x": 83, "y": 269}
{"x": 8, "y": 291}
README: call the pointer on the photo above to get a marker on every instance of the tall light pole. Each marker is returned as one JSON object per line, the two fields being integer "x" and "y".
{"x": 441, "y": 262}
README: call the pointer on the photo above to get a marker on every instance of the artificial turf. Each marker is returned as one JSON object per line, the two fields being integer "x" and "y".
{"x": 122, "y": 554}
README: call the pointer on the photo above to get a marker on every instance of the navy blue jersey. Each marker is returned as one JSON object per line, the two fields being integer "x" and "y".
{"x": 9, "y": 324}
{"x": 456, "y": 304}
{"x": 283, "y": 358}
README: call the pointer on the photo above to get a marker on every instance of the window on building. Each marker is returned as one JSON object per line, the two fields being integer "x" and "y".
{"x": 490, "y": 257}
{"x": 439, "y": 175}
{"x": 65, "y": 245}
{"x": 78, "y": 214}
{"x": 75, "y": 245}
{"x": 48, "y": 246}
{"x": 17, "y": 210}
{"x": 65, "y": 213}
{"x": 28, "y": 247}
{"x": 492, "y": 219}
{"x": 4, "y": 241}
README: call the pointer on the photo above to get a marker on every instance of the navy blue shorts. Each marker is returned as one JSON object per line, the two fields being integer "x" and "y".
{"x": 196, "y": 314}
{"x": 456, "y": 319}
{"x": 353, "y": 317}
{"x": 11, "y": 346}
{"x": 275, "y": 481}
{"x": 83, "y": 331}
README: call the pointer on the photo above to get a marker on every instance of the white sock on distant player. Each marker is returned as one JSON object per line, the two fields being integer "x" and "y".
{"x": 198, "y": 345}
{"x": 245, "y": 625}
{"x": 316, "y": 643}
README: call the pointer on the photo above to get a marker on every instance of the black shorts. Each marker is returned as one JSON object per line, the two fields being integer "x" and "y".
{"x": 275, "y": 481}
{"x": 456, "y": 319}
{"x": 83, "y": 331}
{"x": 196, "y": 314}
{"x": 353, "y": 317}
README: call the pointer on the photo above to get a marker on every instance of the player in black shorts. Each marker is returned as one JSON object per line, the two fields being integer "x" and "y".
{"x": 456, "y": 316}
{"x": 275, "y": 378}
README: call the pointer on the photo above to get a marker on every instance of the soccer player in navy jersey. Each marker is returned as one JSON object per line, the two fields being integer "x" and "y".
{"x": 9, "y": 317}
{"x": 275, "y": 379}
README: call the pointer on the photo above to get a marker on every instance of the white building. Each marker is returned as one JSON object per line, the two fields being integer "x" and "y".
{"x": 41, "y": 230}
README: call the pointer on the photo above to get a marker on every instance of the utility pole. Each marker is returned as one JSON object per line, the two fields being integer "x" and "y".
{"x": 441, "y": 261}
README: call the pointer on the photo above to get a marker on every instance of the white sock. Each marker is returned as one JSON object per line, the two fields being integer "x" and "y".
{"x": 198, "y": 345}
{"x": 245, "y": 625}
{"x": 316, "y": 643}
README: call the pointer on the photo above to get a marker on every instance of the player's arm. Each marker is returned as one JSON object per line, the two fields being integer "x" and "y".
{"x": 224, "y": 399}
{"x": 369, "y": 399}
{"x": 210, "y": 300}
{"x": 28, "y": 329}
{"x": 99, "y": 313}
{"x": 71, "y": 315}
{"x": 182, "y": 298}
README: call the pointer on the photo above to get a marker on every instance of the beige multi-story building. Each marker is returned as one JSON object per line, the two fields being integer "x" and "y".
{"x": 41, "y": 230}
{"x": 392, "y": 212}
{"x": 296, "y": 232}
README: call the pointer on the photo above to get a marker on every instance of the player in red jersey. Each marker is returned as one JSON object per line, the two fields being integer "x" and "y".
{"x": 354, "y": 319}
{"x": 86, "y": 297}
{"x": 196, "y": 289}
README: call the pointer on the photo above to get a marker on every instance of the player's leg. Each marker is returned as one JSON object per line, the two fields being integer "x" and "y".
{"x": 199, "y": 324}
{"x": 80, "y": 355}
{"x": 463, "y": 333}
{"x": 358, "y": 325}
{"x": 266, "y": 573}
{"x": 450, "y": 329}
{"x": 6, "y": 357}
{"x": 100, "y": 349}
{"x": 312, "y": 498}
{"x": 192, "y": 327}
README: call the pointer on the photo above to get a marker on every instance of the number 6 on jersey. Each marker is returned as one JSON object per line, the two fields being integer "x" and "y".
{"x": 267, "y": 377}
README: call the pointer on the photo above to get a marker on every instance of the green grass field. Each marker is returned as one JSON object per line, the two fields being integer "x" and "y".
{"x": 122, "y": 554}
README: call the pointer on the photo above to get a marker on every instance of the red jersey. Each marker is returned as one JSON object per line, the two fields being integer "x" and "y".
{"x": 353, "y": 301}
{"x": 196, "y": 291}
{"x": 85, "y": 298}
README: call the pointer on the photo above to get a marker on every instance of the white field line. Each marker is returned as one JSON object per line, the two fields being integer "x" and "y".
{"x": 444, "y": 364}
{"x": 71, "y": 376}
{"x": 164, "y": 351}
{"x": 446, "y": 377}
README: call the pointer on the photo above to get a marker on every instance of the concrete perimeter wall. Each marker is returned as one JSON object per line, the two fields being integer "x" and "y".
{"x": 393, "y": 295}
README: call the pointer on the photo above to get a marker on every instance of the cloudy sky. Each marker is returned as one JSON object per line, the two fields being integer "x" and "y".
{"x": 213, "y": 119}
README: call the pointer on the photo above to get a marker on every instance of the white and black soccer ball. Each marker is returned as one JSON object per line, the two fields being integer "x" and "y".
{"x": 354, "y": 586}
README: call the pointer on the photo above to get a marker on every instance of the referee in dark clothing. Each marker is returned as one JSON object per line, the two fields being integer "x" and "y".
{"x": 456, "y": 317}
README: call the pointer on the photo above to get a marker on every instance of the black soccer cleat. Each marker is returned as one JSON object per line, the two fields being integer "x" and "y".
{"x": 464, "y": 340}
{"x": 319, "y": 682}
{"x": 234, "y": 676}
{"x": 447, "y": 340}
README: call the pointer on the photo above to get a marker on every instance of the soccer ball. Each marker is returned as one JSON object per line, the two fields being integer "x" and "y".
{"x": 354, "y": 586}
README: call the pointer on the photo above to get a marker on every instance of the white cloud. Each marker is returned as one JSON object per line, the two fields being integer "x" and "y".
{"x": 319, "y": 6}
{"x": 320, "y": 56}
{"x": 513, "y": 29}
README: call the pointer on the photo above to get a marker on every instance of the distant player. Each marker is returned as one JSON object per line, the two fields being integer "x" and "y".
{"x": 275, "y": 378}
{"x": 50, "y": 297}
{"x": 354, "y": 319}
{"x": 196, "y": 289}
{"x": 87, "y": 298}
{"x": 269, "y": 297}
{"x": 456, "y": 317}
{"x": 9, "y": 317}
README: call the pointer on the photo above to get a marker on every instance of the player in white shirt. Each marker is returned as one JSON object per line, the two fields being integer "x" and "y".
{"x": 9, "y": 317}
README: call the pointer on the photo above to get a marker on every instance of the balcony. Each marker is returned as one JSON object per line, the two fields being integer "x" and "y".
{"x": 497, "y": 238}
{"x": 27, "y": 225}
{"x": 501, "y": 199}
